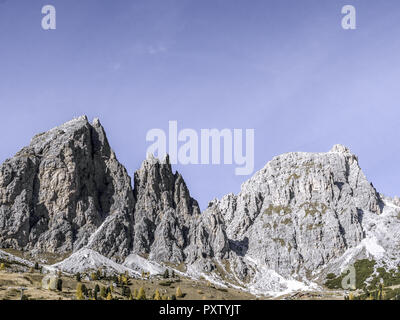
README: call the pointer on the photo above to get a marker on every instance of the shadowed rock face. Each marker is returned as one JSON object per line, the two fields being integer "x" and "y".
{"x": 169, "y": 226}
{"x": 57, "y": 191}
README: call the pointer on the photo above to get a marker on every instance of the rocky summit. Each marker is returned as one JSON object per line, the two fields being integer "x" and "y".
{"x": 301, "y": 216}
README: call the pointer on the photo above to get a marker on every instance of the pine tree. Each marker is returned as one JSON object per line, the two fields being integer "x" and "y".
{"x": 79, "y": 292}
{"x": 142, "y": 294}
{"x": 96, "y": 291}
{"x": 84, "y": 290}
{"x": 157, "y": 295}
{"x": 166, "y": 274}
{"x": 179, "y": 293}
{"x": 59, "y": 284}
{"x": 126, "y": 291}
{"x": 109, "y": 296}
{"x": 93, "y": 276}
{"x": 103, "y": 292}
{"x": 78, "y": 277}
{"x": 173, "y": 274}
{"x": 36, "y": 266}
{"x": 124, "y": 280}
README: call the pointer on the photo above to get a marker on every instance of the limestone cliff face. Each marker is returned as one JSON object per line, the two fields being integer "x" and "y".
{"x": 164, "y": 212}
{"x": 67, "y": 190}
{"x": 298, "y": 213}
{"x": 57, "y": 191}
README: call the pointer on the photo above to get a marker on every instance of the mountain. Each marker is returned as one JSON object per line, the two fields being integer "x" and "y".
{"x": 61, "y": 188}
{"x": 300, "y": 217}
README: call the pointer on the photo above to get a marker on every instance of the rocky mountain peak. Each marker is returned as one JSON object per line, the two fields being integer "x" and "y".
{"x": 58, "y": 190}
{"x": 339, "y": 148}
{"x": 301, "y": 213}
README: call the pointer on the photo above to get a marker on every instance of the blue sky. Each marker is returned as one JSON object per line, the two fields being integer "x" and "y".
{"x": 283, "y": 67}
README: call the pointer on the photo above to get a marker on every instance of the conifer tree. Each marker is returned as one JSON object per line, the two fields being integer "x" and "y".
{"x": 126, "y": 291}
{"x": 109, "y": 296}
{"x": 157, "y": 295}
{"x": 96, "y": 292}
{"x": 124, "y": 280}
{"x": 84, "y": 290}
{"x": 141, "y": 294}
{"x": 103, "y": 292}
{"x": 179, "y": 293}
{"x": 78, "y": 277}
{"x": 79, "y": 292}
{"x": 166, "y": 274}
{"x": 59, "y": 284}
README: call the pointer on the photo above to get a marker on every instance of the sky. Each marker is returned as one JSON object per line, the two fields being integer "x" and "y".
{"x": 285, "y": 68}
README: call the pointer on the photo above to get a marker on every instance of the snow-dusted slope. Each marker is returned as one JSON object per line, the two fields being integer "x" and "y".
{"x": 381, "y": 242}
{"x": 86, "y": 260}
{"x": 14, "y": 259}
